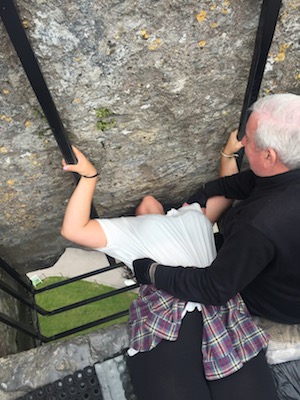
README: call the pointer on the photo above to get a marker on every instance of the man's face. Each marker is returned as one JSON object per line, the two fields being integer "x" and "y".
{"x": 256, "y": 156}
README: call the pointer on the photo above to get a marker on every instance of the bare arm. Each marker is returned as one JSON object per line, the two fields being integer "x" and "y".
{"x": 77, "y": 225}
{"x": 216, "y": 206}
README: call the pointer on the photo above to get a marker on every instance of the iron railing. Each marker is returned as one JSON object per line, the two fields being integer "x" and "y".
{"x": 31, "y": 292}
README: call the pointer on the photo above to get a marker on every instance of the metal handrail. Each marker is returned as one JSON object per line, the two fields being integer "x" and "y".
{"x": 32, "y": 304}
{"x": 79, "y": 277}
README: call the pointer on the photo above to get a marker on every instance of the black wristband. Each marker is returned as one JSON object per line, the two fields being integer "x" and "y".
{"x": 93, "y": 176}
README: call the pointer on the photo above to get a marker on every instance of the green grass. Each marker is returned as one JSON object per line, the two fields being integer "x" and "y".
{"x": 74, "y": 292}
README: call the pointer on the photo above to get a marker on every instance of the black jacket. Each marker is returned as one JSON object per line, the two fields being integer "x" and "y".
{"x": 261, "y": 250}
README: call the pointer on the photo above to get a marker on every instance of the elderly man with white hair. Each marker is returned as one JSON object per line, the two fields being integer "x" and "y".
{"x": 260, "y": 254}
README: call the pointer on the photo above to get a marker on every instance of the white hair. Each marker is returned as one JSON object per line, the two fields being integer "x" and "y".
{"x": 278, "y": 119}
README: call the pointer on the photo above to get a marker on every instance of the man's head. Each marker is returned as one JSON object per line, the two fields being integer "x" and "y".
{"x": 272, "y": 139}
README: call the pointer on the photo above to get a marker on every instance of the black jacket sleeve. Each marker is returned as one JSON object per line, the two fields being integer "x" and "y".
{"x": 237, "y": 187}
{"x": 242, "y": 257}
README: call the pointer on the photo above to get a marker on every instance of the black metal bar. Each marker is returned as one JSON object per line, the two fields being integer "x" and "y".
{"x": 77, "y": 278}
{"x": 21, "y": 43}
{"x": 16, "y": 294}
{"x": 11, "y": 291}
{"x": 264, "y": 36}
{"x": 21, "y": 327}
{"x": 32, "y": 69}
{"x": 86, "y": 326}
{"x": 16, "y": 276}
{"x": 36, "y": 335}
{"x": 86, "y": 301}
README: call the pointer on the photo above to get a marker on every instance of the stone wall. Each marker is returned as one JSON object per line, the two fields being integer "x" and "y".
{"x": 148, "y": 89}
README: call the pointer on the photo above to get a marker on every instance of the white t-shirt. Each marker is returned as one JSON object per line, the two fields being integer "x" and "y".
{"x": 181, "y": 237}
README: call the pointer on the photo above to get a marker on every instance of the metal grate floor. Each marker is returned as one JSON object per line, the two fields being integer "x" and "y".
{"x": 108, "y": 380}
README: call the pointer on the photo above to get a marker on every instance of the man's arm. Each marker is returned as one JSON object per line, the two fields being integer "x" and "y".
{"x": 237, "y": 186}
{"x": 77, "y": 225}
{"x": 242, "y": 257}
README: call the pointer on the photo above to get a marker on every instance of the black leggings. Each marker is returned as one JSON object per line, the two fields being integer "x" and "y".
{"x": 174, "y": 371}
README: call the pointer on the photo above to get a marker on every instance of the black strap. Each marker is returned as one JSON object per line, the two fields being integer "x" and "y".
{"x": 265, "y": 31}
{"x": 267, "y": 23}
{"x": 30, "y": 64}
{"x": 18, "y": 37}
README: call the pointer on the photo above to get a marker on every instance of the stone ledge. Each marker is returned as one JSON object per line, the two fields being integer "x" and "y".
{"x": 24, "y": 372}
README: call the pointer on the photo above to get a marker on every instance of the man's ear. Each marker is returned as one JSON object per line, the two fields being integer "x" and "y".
{"x": 271, "y": 157}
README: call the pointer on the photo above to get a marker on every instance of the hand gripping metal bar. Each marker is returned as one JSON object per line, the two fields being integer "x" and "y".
{"x": 32, "y": 69}
{"x": 264, "y": 36}
{"x": 21, "y": 43}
